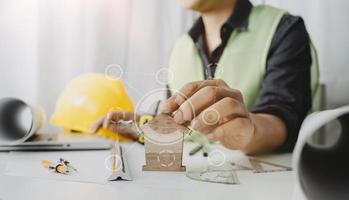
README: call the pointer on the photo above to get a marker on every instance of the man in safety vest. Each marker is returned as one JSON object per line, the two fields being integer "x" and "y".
{"x": 242, "y": 75}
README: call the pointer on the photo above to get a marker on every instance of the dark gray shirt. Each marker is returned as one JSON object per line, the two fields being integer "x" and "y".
{"x": 286, "y": 88}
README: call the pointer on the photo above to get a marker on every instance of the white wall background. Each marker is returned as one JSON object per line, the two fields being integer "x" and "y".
{"x": 45, "y": 43}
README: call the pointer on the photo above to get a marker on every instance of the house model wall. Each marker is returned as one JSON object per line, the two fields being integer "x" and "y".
{"x": 163, "y": 144}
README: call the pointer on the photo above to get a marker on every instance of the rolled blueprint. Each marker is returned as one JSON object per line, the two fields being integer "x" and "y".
{"x": 323, "y": 170}
{"x": 18, "y": 121}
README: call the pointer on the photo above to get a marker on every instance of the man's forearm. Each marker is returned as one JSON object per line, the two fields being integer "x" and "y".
{"x": 270, "y": 133}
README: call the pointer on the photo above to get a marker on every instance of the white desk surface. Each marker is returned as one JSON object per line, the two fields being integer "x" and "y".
{"x": 154, "y": 185}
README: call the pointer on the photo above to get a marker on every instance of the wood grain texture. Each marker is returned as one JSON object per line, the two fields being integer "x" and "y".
{"x": 163, "y": 144}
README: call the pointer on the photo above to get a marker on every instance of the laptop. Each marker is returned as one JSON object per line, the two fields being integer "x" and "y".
{"x": 60, "y": 142}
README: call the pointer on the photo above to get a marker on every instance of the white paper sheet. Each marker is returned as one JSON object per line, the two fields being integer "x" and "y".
{"x": 328, "y": 178}
{"x": 91, "y": 165}
{"x": 28, "y": 120}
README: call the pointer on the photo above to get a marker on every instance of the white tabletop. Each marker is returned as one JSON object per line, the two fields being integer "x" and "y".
{"x": 154, "y": 185}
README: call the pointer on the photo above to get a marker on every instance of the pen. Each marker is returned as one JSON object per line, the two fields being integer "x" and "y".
{"x": 196, "y": 149}
{"x": 206, "y": 150}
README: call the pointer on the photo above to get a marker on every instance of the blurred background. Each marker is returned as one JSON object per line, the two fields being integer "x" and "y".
{"x": 46, "y": 43}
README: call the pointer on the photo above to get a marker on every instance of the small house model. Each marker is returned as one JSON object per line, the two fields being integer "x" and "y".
{"x": 163, "y": 141}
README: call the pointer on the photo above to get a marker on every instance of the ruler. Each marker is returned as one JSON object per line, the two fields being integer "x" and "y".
{"x": 120, "y": 171}
{"x": 258, "y": 166}
{"x": 215, "y": 176}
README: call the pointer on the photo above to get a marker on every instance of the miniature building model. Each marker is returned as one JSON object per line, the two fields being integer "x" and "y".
{"x": 163, "y": 142}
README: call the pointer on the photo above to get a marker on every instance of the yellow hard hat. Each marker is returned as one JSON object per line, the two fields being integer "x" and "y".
{"x": 87, "y": 98}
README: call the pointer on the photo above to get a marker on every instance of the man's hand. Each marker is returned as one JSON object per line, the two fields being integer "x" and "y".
{"x": 218, "y": 111}
{"x": 215, "y": 110}
{"x": 110, "y": 121}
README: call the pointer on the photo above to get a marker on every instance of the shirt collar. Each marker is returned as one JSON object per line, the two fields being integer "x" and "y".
{"x": 238, "y": 20}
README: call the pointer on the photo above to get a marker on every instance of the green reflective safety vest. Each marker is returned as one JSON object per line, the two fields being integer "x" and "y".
{"x": 243, "y": 62}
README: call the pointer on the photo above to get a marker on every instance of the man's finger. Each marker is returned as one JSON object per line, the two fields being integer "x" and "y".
{"x": 123, "y": 115}
{"x": 113, "y": 117}
{"x": 170, "y": 105}
{"x": 97, "y": 125}
{"x": 235, "y": 134}
{"x": 125, "y": 131}
{"x": 203, "y": 99}
{"x": 116, "y": 116}
{"x": 107, "y": 120}
{"x": 219, "y": 113}
{"x": 187, "y": 91}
